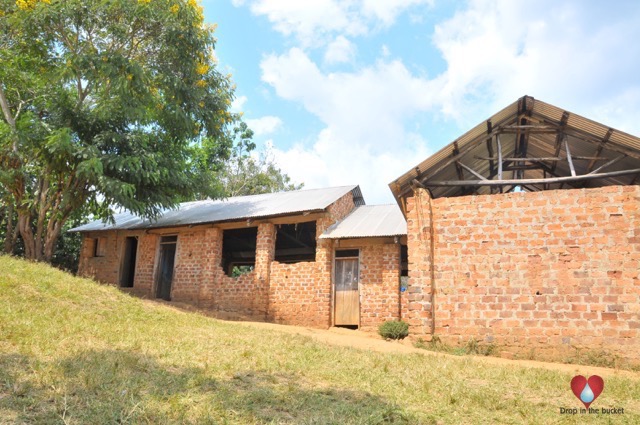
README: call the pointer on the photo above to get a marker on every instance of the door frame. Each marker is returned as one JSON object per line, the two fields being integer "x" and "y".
{"x": 333, "y": 282}
{"x": 123, "y": 253}
{"x": 158, "y": 266}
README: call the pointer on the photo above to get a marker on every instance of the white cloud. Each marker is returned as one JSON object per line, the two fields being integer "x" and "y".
{"x": 333, "y": 161}
{"x": 575, "y": 57}
{"x": 312, "y": 21}
{"x": 238, "y": 103}
{"x": 340, "y": 50}
{"x": 387, "y": 11}
{"x": 365, "y": 113}
{"x": 264, "y": 125}
{"x": 309, "y": 20}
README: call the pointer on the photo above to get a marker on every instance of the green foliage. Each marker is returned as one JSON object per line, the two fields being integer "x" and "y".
{"x": 238, "y": 271}
{"x": 108, "y": 103}
{"x": 394, "y": 329}
{"x": 249, "y": 174}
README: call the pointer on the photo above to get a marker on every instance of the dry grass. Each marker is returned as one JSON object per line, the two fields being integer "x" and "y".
{"x": 75, "y": 352}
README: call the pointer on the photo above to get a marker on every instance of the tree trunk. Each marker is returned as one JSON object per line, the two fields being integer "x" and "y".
{"x": 24, "y": 223}
{"x": 50, "y": 241}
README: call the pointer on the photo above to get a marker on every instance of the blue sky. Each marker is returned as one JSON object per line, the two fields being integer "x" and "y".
{"x": 360, "y": 91}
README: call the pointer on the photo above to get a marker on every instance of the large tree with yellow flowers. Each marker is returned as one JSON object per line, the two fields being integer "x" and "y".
{"x": 104, "y": 104}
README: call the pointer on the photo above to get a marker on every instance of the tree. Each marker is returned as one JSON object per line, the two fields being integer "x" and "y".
{"x": 248, "y": 174}
{"x": 106, "y": 103}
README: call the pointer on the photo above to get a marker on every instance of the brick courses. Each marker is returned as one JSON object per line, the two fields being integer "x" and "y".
{"x": 297, "y": 294}
{"x": 300, "y": 293}
{"x": 548, "y": 271}
{"x": 379, "y": 284}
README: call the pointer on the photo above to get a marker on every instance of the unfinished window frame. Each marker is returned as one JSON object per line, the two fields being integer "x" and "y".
{"x": 99, "y": 247}
{"x": 296, "y": 242}
{"x": 236, "y": 266}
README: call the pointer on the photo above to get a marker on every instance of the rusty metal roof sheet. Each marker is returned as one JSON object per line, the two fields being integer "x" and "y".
{"x": 231, "y": 209}
{"x": 585, "y": 137}
{"x": 369, "y": 221}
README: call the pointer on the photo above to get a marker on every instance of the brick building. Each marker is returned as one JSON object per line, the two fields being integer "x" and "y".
{"x": 525, "y": 233}
{"x": 310, "y": 257}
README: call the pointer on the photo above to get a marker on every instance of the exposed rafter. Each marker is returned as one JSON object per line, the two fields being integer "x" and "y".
{"x": 604, "y": 141}
{"x": 533, "y": 181}
{"x": 560, "y": 136}
{"x": 533, "y": 144}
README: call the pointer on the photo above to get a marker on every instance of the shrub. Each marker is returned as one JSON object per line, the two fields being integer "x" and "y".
{"x": 393, "y": 329}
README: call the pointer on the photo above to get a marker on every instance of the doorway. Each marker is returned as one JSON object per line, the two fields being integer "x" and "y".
{"x": 167, "y": 261}
{"x": 347, "y": 294}
{"x": 128, "y": 270}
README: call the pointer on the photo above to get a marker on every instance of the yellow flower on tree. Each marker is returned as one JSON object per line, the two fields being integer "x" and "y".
{"x": 202, "y": 68}
{"x": 29, "y": 4}
{"x": 26, "y": 4}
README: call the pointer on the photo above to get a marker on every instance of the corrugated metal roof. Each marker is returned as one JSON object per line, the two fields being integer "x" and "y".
{"x": 583, "y": 135}
{"x": 231, "y": 209}
{"x": 369, "y": 221}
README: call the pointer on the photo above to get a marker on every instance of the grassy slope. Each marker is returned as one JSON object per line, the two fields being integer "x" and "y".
{"x": 73, "y": 351}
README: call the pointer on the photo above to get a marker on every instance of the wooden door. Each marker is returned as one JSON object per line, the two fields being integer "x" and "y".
{"x": 165, "y": 272}
{"x": 347, "y": 296}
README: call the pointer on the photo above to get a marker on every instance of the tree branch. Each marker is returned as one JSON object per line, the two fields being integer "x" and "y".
{"x": 6, "y": 111}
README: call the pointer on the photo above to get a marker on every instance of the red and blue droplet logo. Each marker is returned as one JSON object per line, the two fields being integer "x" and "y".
{"x": 587, "y": 390}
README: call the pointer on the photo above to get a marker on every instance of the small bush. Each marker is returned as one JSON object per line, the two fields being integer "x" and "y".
{"x": 393, "y": 329}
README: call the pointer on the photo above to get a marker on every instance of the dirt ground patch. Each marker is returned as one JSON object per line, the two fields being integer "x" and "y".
{"x": 371, "y": 341}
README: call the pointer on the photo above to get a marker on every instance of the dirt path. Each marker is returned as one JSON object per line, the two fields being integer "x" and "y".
{"x": 370, "y": 341}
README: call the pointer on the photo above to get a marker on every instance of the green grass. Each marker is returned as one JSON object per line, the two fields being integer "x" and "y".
{"x": 76, "y": 352}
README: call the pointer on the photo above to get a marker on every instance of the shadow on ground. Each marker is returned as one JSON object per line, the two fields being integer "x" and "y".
{"x": 113, "y": 386}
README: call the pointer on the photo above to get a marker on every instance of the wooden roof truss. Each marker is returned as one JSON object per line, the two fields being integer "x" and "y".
{"x": 530, "y": 152}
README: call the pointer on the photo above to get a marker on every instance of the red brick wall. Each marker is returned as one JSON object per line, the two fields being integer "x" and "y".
{"x": 545, "y": 271}
{"x": 379, "y": 284}
{"x": 300, "y": 294}
{"x": 200, "y": 279}
{"x": 193, "y": 253}
{"x": 416, "y": 300}
{"x": 143, "y": 283}
{"x": 105, "y": 268}
{"x": 297, "y": 294}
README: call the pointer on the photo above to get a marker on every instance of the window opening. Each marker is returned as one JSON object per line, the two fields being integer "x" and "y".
{"x": 347, "y": 253}
{"x": 99, "y": 247}
{"x": 239, "y": 250}
{"x": 296, "y": 242}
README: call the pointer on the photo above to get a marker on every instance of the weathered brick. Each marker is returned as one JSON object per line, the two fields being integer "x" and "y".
{"x": 554, "y": 258}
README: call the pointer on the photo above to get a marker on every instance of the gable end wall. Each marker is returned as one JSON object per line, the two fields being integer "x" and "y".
{"x": 550, "y": 271}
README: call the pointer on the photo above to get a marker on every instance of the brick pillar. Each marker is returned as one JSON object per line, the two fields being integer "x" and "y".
{"x": 145, "y": 264}
{"x": 265, "y": 252}
{"x": 416, "y": 300}
{"x": 86, "y": 252}
{"x": 324, "y": 260}
{"x": 212, "y": 247}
